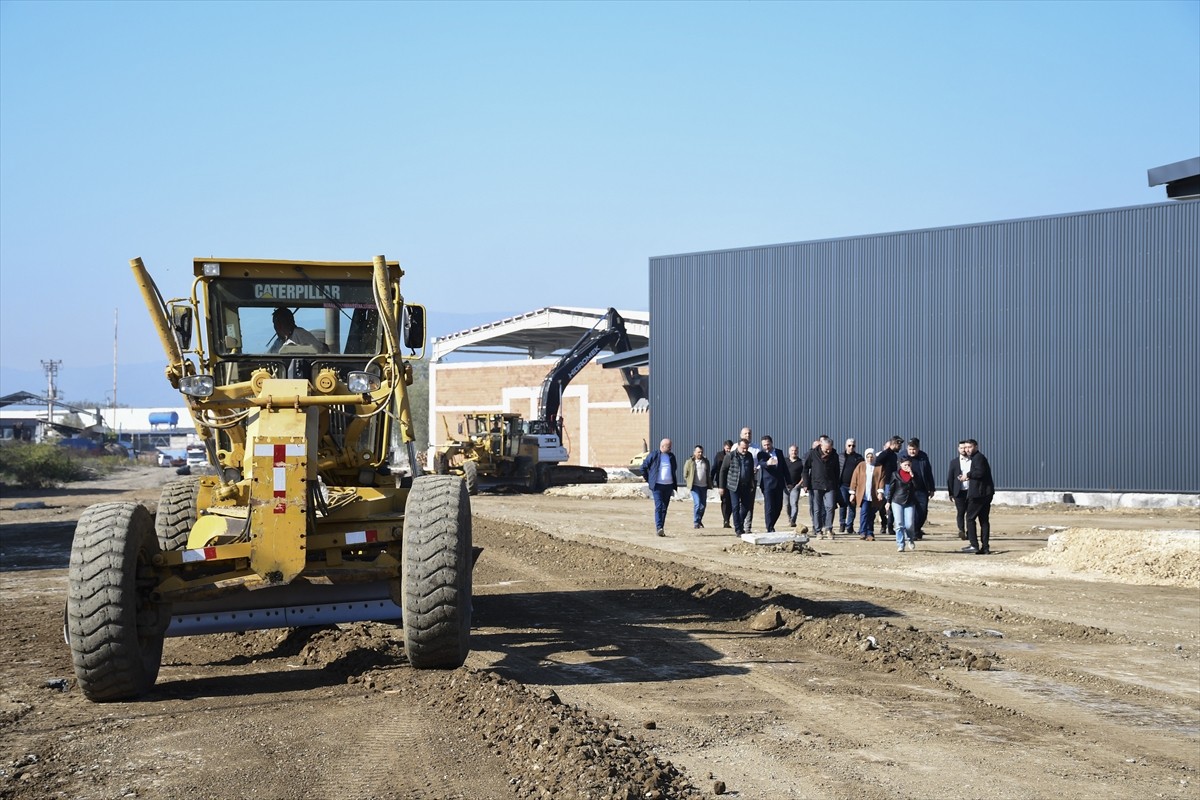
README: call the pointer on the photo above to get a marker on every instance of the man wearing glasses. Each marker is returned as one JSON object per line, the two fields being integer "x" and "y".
{"x": 849, "y": 459}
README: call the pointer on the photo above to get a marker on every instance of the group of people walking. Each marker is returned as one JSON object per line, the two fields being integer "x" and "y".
{"x": 892, "y": 486}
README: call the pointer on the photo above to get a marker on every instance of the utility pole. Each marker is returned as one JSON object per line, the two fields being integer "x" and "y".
{"x": 51, "y": 369}
{"x": 114, "y": 397}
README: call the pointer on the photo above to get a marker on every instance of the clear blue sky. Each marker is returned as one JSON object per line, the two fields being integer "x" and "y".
{"x": 513, "y": 156}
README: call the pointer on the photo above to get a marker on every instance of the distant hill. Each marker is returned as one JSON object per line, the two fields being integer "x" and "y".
{"x": 143, "y": 385}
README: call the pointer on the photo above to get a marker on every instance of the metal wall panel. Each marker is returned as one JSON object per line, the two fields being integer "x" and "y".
{"x": 1069, "y": 346}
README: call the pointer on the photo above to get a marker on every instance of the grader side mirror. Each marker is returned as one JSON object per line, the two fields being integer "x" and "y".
{"x": 181, "y": 324}
{"x": 412, "y": 327}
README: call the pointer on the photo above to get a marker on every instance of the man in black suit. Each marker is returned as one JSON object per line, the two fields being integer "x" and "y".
{"x": 959, "y": 465}
{"x": 980, "y": 488}
{"x": 773, "y": 477}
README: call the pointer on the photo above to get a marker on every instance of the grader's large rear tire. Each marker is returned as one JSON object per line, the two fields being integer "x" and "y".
{"x": 114, "y": 629}
{"x": 176, "y": 513}
{"x": 471, "y": 477}
{"x": 435, "y": 584}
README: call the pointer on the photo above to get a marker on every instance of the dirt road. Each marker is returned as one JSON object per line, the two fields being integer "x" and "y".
{"x": 610, "y": 663}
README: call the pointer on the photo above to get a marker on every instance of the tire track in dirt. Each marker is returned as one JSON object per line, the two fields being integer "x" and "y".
{"x": 1099, "y": 661}
{"x": 858, "y": 722}
{"x": 770, "y": 691}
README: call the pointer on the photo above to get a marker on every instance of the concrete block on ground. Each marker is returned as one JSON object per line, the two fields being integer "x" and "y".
{"x": 779, "y": 537}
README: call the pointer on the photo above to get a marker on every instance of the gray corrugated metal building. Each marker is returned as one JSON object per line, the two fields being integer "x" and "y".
{"x": 1068, "y": 345}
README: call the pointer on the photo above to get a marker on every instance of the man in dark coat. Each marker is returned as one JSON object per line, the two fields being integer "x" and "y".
{"x": 659, "y": 469}
{"x": 887, "y": 459}
{"x": 980, "y": 488}
{"x": 849, "y": 459}
{"x": 748, "y": 510}
{"x": 824, "y": 481}
{"x": 726, "y": 508}
{"x": 924, "y": 469}
{"x": 959, "y": 465}
{"x": 795, "y": 468}
{"x": 736, "y": 479}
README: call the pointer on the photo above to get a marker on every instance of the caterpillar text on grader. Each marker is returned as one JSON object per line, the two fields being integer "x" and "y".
{"x": 318, "y": 514}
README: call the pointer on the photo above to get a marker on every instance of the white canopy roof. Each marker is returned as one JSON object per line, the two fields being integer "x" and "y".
{"x": 539, "y": 333}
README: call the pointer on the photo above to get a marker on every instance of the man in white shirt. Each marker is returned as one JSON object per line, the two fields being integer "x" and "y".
{"x": 959, "y": 465}
{"x": 289, "y": 333}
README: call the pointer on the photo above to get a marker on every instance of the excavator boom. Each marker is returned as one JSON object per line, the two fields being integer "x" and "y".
{"x": 607, "y": 334}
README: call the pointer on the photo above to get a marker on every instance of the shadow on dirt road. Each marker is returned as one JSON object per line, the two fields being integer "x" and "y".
{"x": 36, "y": 545}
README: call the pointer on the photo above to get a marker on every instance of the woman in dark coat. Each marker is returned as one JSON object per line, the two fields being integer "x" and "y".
{"x": 906, "y": 485}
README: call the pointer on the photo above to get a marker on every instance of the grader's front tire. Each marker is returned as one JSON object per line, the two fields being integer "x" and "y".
{"x": 436, "y": 580}
{"x": 471, "y": 477}
{"x": 176, "y": 513}
{"x": 114, "y": 629}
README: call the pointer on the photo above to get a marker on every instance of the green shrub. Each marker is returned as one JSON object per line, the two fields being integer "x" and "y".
{"x": 37, "y": 466}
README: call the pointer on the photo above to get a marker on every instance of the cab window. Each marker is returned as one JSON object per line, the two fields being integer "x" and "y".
{"x": 262, "y": 316}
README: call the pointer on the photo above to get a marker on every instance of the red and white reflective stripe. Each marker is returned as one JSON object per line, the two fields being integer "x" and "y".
{"x": 362, "y": 537}
{"x": 279, "y": 451}
{"x": 203, "y": 554}
{"x": 279, "y": 454}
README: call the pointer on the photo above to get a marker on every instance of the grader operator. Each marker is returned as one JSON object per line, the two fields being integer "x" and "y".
{"x": 318, "y": 512}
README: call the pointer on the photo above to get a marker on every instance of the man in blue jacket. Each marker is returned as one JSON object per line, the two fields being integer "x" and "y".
{"x": 659, "y": 471}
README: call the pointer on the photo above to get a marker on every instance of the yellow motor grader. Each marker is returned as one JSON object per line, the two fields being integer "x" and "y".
{"x": 297, "y": 379}
{"x": 488, "y": 445}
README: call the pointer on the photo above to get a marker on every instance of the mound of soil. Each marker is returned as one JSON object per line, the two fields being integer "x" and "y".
{"x": 1162, "y": 558}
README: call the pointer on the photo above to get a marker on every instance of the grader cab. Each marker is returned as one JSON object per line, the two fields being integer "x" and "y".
{"x": 297, "y": 378}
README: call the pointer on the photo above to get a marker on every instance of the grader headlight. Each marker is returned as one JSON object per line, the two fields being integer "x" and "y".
{"x": 362, "y": 382}
{"x": 197, "y": 385}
